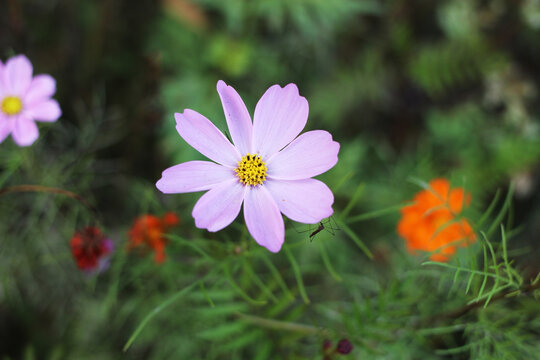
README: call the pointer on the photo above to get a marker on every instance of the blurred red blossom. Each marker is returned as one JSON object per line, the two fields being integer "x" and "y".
{"x": 343, "y": 347}
{"x": 147, "y": 233}
{"x": 91, "y": 249}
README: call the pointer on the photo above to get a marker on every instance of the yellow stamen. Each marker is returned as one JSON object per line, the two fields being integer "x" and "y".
{"x": 11, "y": 105}
{"x": 251, "y": 170}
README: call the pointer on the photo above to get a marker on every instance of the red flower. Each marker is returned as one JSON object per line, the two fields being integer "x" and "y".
{"x": 147, "y": 232}
{"x": 432, "y": 224}
{"x": 343, "y": 347}
{"x": 90, "y": 249}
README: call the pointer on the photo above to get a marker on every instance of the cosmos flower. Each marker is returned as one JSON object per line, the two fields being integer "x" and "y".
{"x": 269, "y": 168}
{"x": 432, "y": 222}
{"x": 91, "y": 249}
{"x": 23, "y": 100}
{"x": 148, "y": 231}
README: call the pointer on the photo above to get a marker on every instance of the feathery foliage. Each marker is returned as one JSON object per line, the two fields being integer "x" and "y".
{"x": 412, "y": 90}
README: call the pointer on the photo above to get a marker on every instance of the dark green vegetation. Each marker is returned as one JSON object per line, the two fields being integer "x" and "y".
{"x": 411, "y": 89}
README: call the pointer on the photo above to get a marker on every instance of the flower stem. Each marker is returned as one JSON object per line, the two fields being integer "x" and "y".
{"x": 283, "y": 325}
{"x": 50, "y": 190}
{"x": 456, "y": 313}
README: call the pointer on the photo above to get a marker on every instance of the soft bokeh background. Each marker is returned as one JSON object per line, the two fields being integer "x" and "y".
{"x": 411, "y": 89}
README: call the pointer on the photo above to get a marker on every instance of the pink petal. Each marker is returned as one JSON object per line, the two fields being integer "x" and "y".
{"x": 25, "y": 131}
{"x": 5, "y": 127}
{"x": 17, "y": 75}
{"x": 306, "y": 201}
{"x": 280, "y": 115}
{"x": 42, "y": 87}
{"x": 237, "y": 115}
{"x": 263, "y": 218}
{"x": 2, "y": 92}
{"x": 203, "y": 136}
{"x": 47, "y": 110}
{"x": 193, "y": 176}
{"x": 220, "y": 206}
{"x": 311, "y": 154}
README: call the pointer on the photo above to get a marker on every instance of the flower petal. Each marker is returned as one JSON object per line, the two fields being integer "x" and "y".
{"x": 220, "y": 206}
{"x": 203, "y": 136}
{"x": 17, "y": 75}
{"x": 193, "y": 176}
{"x": 2, "y": 90}
{"x": 237, "y": 115}
{"x": 263, "y": 219}
{"x": 280, "y": 115}
{"x": 5, "y": 127}
{"x": 306, "y": 201}
{"x": 41, "y": 87}
{"x": 310, "y": 154}
{"x": 47, "y": 110}
{"x": 25, "y": 131}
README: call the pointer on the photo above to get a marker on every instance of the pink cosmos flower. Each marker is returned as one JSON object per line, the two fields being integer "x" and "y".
{"x": 23, "y": 100}
{"x": 268, "y": 169}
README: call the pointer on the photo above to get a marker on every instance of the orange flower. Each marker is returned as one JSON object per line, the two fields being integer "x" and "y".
{"x": 431, "y": 223}
{"x": 147, "y": 232}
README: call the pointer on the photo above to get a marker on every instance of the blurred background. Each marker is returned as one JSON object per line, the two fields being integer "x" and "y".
{"x": 410, "y": 89}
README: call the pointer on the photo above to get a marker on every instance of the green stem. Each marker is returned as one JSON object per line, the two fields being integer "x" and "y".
{"x": 297, "y": 274}
{"x": 50, "y": 190}
{"x": 159, "y": 308}
{"x": 283, "y": 325}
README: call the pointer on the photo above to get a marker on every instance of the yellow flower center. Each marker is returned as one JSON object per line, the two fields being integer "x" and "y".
{"x": 251, "y": 170}
{"x": 11, "y": 105}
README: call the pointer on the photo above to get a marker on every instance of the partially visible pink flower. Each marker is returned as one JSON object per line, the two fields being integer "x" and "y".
{"x": 268, "y": 169}
{"x": 25, "y": 99}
